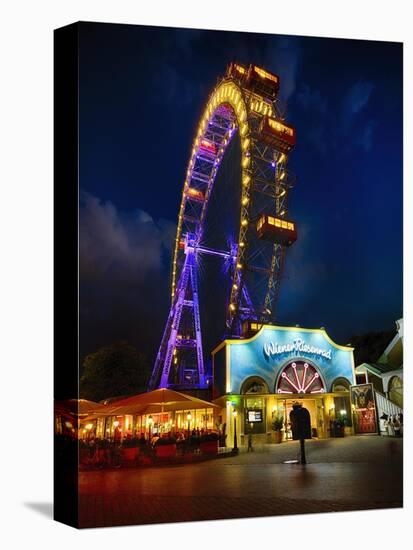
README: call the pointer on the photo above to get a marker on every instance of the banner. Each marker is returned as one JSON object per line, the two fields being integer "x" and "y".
{"x": 364, "y": 409}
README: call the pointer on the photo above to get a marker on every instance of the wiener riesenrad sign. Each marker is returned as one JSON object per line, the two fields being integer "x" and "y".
{"x": 297, "y": 347}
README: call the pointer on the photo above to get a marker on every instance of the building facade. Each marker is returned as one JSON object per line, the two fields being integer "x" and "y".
{"x": 261, "y": 377}
{"x": 387, "y": 374}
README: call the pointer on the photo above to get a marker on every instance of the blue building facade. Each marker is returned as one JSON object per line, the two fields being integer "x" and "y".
{"x": 262, "y": 376}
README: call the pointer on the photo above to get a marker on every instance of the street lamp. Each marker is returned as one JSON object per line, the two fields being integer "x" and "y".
{"x": 235, "y": 448}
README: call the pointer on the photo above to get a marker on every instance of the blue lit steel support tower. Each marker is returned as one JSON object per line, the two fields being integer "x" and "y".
{"x": 182, "y": 337}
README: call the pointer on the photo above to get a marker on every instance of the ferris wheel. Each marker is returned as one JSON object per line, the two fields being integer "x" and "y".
{"x": 234, "y": 211}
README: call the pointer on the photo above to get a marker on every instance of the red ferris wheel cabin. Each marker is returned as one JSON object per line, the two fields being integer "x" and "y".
{"x": 278, "y": 134}
{"x": 256, "y": 79}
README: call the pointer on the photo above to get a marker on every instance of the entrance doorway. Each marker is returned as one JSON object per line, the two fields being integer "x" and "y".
{"x": 314, "y": 406}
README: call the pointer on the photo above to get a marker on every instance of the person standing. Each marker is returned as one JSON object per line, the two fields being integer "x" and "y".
{"x": 396, "y": 426}
{"x": 390, "y": 426}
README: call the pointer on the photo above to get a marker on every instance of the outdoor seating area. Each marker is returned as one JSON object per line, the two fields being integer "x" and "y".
{"x": 153, "y": 427}
{"x": 104, "y": 453}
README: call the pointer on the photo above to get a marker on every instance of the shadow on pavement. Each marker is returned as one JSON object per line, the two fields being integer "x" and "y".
{"x": 43, "y": 508}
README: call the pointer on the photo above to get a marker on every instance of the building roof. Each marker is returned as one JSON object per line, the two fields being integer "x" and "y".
{"x": 378, "y": 368}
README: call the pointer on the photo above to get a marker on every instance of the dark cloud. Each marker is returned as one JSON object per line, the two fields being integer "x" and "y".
{"x": 333, "y": 124}
{"x": 126, "y": 245}
{"x": 366, "y": 135}
{"x": 283, "y": 58}
{"x": 124, "y": 260}
{"x": 357, "y": 98}
{"x": 312, "y": 100}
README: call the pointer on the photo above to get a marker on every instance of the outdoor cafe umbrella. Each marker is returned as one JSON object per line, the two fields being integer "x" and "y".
{"x": 156, "y": 401}
{"x": 75, "y": 407}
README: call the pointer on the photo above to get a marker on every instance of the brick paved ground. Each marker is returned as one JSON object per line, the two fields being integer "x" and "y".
{"x": 342, "y": 474}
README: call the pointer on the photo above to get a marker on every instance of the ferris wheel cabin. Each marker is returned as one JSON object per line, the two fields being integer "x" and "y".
{"x": 256, "y": 79}
{"x": 277, "y": 230}
{"x": 278, "y": 134}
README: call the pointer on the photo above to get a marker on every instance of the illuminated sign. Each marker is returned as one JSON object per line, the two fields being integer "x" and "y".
{"x": 364, "y": 409}
{"x": 308, "y": 358}
{"x": 272, "y": 349}
{"x": 255, "y": 416}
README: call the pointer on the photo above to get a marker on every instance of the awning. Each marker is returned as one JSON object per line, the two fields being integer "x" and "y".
{"x": 157, "y": 401}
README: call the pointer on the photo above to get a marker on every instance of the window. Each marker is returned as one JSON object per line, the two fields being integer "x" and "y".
{"x": 299, "y": 377}
{"x": 340, "y": 384}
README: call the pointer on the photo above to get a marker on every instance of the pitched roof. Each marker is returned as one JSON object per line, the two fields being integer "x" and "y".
{"x": 378, "y": 368}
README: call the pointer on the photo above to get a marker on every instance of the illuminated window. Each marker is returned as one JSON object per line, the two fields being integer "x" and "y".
{"x": 281, "y": 128}
{"x": 299, "y": 377}
{"x": 284, "y": 224}
{"x": 290, "y": 226}
{"x": 265, "y": 74}
{"x": 277, "y": 222}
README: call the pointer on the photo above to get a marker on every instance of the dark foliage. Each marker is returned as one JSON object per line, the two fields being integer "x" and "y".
{"x": 369, "y": 347}
{"x": 114, "y": 370}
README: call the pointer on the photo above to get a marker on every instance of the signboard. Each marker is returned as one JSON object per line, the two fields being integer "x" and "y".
{"x": 267, "y": 353}
{"x": 364, "y": 409}
{"x": 255, "y": 416}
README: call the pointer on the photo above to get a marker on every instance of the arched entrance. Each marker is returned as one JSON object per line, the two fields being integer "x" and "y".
{"x": 300, "y": 380}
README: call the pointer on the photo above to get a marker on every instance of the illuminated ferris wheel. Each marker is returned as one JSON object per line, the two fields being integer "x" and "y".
{"x": 234, "y": 211}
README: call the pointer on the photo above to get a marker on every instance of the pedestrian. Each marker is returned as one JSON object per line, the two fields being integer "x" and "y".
{"x": 396, "y": 426}
{"x": 383, "y": 423}
{"x": 250, "y": 447}
{"x": 390, "y": 426}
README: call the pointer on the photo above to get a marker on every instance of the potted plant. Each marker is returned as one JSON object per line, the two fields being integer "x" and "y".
{"x": 209, "y": 443}
{"x": 277, "y": 425}
{"x": 337, "y": 427}
{"x": 130, "y": 449}
{"x": 165, "y": 447}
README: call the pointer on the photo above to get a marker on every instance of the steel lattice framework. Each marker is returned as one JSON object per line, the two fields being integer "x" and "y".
{"x": 242, "y": 102}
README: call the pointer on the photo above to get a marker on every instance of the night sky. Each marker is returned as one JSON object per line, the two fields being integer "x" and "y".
{"x": 142, "y": 90}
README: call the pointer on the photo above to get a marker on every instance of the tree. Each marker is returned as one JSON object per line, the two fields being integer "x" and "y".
{"x": 369, "y": 347}
{"x": 115, "y": 370}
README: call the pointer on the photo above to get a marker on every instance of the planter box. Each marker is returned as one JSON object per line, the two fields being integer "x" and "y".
{"x": 209, "y": 447}
{"x": 84, "y": 456}
{"x": 338, "y": 431}
{"x": 278, "y": 436}
{"x": 164, "y": 451}
{"x": 129, "y": 454}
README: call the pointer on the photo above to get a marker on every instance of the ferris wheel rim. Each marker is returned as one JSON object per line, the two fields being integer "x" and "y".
{"x": 228, "y": 93}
